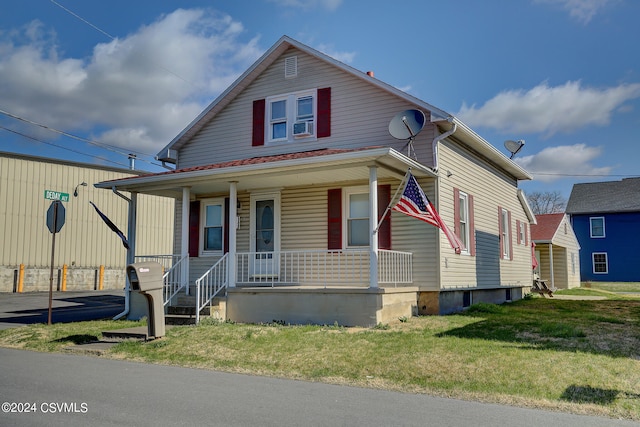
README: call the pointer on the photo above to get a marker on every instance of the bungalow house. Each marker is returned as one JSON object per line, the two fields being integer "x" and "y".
{"x": 606, "y": 218}
{"x": 557, "y": 250}
{"x": 282, "y": 186}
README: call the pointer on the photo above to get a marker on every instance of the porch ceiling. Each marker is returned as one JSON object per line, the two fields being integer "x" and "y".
{"x": 275, "y": 172}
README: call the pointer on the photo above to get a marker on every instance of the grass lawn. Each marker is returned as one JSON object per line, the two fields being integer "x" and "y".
{"x": 580, "y": 356}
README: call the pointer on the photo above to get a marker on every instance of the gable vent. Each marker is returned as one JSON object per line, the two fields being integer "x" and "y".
{"x": 291, "y": 66}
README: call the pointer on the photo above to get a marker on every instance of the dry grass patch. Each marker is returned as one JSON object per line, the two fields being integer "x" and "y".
{"x": 577, "y": 356}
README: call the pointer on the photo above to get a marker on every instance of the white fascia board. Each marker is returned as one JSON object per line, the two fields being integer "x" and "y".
{"x": 527, "y": 209}
{"x": 491, "y": 152}
{"x": 371, "y": 155}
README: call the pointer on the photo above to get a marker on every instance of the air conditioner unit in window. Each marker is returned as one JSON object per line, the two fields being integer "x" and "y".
{"x": 302, "y": 128}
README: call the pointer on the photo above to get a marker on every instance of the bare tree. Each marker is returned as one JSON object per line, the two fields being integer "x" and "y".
{"x": 546, "y": 202}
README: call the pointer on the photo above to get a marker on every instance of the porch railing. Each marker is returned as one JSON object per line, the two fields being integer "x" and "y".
{"x": 176, "y": 273}
{"x": 395, "y": 267}
{"x": 210, "y": 284}
{"x": 321, "y": 268}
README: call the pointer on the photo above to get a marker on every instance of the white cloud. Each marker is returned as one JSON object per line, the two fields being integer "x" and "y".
{"x": 144, "y": 88}
{"x": 550, "y": 110}
{"x": 330, "y": 5}
{"x": 345, "y": 57}
{"x": 554, "y": 163}
{"x": 581, "y": 10}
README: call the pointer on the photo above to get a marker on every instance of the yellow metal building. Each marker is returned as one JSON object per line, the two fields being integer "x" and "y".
{"x": 88, "y": 254}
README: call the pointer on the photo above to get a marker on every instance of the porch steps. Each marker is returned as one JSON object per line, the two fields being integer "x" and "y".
{"x": 183, "y": 312}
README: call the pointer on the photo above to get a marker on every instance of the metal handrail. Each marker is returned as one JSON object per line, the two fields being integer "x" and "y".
{"x": 176, "y": 271}
{"x": 210, "y": 284}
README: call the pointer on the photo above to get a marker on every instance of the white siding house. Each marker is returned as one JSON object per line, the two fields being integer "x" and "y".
{"x": 282, "y": 184}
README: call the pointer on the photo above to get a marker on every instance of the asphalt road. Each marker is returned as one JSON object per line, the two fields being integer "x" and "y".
{"x": 33, "y": 307}
{"x": 74, "y": 390}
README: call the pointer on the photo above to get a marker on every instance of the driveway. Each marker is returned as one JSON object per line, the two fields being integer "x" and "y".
{"x": 33, "y": 307}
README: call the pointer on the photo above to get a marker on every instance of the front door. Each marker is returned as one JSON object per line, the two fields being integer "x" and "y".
{"x": 265, "y": 235}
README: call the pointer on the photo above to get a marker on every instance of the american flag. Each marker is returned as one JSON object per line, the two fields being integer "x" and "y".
{"x": 414, "y": 202}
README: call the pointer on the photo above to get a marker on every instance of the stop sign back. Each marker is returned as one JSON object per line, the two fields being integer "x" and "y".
{"x": 55, "y": 216}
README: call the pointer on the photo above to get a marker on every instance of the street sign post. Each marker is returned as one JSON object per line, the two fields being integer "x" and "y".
{"x": 55, "y": 221}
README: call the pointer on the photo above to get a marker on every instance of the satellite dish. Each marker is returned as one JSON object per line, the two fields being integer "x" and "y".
{"x": 407, "y": 124}
{"x": 514, "y": 146}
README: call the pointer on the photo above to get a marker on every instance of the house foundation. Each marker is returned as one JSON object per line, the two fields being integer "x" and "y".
{"x": 325, "y": 306}
{"x": 456, "y": 300}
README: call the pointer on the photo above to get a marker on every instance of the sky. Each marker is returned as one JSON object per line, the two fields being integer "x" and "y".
{"x": 93, "y": 81}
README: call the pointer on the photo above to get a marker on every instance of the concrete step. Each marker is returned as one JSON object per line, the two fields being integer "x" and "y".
{"x": 179, "y": 319}
{"x": 186, "y": 310}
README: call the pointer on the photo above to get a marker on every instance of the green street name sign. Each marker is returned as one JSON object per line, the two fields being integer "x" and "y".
{"x": 56, "y": 195}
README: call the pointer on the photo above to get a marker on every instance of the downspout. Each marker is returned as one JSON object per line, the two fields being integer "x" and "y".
{"x": 436, "y": 142}
{"x": 439, "y": 138}
{"x": 133, "y": 205}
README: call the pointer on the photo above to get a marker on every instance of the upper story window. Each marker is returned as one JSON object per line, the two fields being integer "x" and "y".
{"x": 522, "y": 233}
{"x": 597, "y": 227}
{"x": 291, "y": 116}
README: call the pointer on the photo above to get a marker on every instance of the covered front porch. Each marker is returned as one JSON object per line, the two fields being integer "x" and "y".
{"x": 263, "y": 244}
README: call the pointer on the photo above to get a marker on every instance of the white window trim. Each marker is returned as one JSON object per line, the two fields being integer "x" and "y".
{"x": 291, "y": 114}
{"x": 464, "y": 202}
{"x": 522, "y": 234}
{"x": 593, "y": 262}
{"x": 604, "y": 234}
{"x": 346, "y": 192}
{"x": 506, "y": 242}
{"x": 203, "y": 217}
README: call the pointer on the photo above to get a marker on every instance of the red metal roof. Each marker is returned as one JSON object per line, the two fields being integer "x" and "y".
{"x": 258, "y": 160}
{"x": 546, "y": 227}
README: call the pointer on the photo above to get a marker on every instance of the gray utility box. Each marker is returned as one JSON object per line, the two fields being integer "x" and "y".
{"x": 146, "y": 278}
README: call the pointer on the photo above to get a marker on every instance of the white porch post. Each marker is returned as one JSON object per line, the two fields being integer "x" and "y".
{"x": 551, "y": 265}
{"x": 373, "y": 225}
{"x": 233, "y": 226}
{"x": 184, "y": 242}
{"x": 131, "y": 231}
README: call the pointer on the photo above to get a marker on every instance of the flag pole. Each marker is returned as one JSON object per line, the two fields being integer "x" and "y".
{"x": 402, "y": 183}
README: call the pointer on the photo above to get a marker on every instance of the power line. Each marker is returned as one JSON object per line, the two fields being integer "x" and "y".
{"x": 82, "y": 19}
{"x": 60, "y": 146}
{"x": 584, "y": 175}
{"x": 95, "y": 27}
{"x": 102, "y": 145}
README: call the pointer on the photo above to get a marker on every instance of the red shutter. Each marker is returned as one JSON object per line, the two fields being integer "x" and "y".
{"x": 510, "y": 236}
{"x": 258, "y": 122}
{"x": 518, "y": 231}
{"x": 500, "y": 232}
{"x": 456, "y": 211}
{"x": 384, "y": 232}
{"x": 334, "y": 219}
{"x": 225, "y": 241}
{"x": 194, "y": 228}
{"x": 472, "y": 227}
{"x": 324, "y": 112}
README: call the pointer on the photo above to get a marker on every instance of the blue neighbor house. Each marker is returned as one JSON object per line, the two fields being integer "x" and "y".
{"x": 606, "y": 220}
